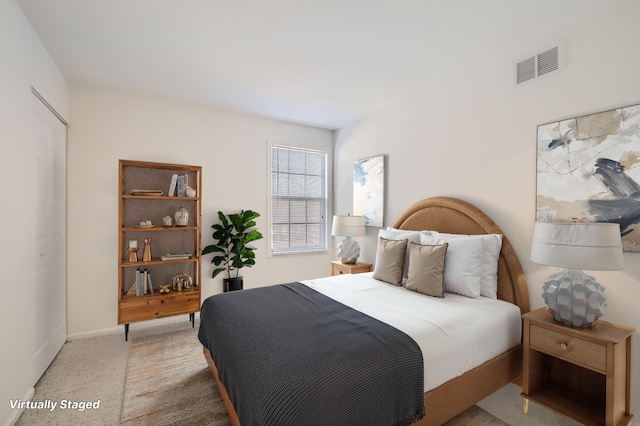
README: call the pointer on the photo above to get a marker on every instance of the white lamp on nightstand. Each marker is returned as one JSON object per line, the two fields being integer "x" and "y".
{"x": 573, "y": 297}
{"x": 348, "y": 226}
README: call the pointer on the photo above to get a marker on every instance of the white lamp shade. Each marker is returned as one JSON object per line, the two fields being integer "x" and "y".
{"x": 348, "y": 226}
{"x": 584, "y": 245}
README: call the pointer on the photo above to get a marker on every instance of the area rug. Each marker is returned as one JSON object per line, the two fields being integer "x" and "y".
{"x": 168, "y": 383}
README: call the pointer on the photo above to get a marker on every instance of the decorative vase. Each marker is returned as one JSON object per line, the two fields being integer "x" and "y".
{"x": 146, "y": 251}
{"x": 181, "y": 216}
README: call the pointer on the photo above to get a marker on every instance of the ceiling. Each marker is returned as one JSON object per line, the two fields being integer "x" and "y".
{"x": 325, "y": 63}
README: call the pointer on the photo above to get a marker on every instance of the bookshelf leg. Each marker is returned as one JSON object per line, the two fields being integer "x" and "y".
{"x": 192, "y": 317}
{"x": 126, "y": 332}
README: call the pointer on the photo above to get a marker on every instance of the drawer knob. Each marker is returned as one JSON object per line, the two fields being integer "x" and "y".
{"x": 342, "y": 272}
{"x": 563, "y": 346}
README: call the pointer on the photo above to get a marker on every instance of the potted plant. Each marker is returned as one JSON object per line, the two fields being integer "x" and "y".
{"x": 231, "y": 236}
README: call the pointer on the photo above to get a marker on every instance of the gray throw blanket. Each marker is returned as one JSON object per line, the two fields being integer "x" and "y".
{"x": 289, "y": 355}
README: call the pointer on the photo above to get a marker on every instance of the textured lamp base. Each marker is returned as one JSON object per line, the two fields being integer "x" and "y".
{"x": 348, "y": 250}
{"x": 574, "y": 298}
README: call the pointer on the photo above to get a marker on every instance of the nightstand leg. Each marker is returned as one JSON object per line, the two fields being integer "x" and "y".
{"x": 525, "y": 405}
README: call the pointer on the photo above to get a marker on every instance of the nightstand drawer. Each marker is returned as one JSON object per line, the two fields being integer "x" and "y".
{"x": 339, "y": 268}
{"x": 573, "y": 349}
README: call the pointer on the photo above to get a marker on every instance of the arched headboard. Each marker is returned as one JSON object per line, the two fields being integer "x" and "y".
{"x": 453, "y": 216}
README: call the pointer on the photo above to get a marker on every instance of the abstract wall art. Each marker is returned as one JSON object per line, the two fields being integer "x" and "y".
{"x": 588, "y": 168}
{"x": 368, "y": 190}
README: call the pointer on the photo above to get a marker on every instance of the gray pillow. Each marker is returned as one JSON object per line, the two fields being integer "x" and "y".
{"x": 426, "y": 269}
{"x": 389, "y": 261}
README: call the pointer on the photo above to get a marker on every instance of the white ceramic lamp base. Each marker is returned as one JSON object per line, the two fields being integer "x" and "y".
{"x": 348, "y": 251}
{"x": 574, "y": 298}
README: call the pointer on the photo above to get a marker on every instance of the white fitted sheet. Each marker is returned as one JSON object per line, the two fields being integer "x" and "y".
{"x": 455, "y": 334}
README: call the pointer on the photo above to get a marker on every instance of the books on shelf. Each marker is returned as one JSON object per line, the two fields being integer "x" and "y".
{"x": 176, "y": 256}
{"x": 172, "y": 185}
{"x": 143, "y": 283}
{"x": 182, "y": 182}
{"x": 180, "y": 187}
{"x": 138, "y": 282}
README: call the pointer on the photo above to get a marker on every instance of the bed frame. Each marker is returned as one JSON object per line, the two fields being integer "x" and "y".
{"x": 450, "y": 215}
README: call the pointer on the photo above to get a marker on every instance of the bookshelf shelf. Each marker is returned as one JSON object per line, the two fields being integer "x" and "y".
{"x": 142, "y": 176}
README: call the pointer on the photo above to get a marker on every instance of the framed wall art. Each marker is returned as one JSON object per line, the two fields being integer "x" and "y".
{"x": 368, "y": 190}
{"x": 588, "y": 168}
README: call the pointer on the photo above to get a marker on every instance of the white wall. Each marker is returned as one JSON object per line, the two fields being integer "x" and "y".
{"x": 231, "y": 148}
{"x": 25, "y": 63}
{"x": 473, "y": 136}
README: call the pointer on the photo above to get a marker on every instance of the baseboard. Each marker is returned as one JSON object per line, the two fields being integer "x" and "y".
{"x": 15, "y": 415}
{"x": 142, "y": 325}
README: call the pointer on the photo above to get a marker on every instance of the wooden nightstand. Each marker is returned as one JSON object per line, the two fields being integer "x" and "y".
{"x": 338, "y": 268}
{"x": 581, "y": 373}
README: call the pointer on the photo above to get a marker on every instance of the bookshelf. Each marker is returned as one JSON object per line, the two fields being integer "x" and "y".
{"x": 144, "y": 202}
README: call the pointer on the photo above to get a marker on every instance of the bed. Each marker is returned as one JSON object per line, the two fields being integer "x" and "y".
{"x": 444, "y": 397}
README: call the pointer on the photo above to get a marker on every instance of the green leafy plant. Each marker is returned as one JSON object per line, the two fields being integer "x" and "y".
{"x": 231, "y": 236}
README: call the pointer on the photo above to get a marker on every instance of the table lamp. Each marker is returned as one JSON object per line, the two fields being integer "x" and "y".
{"x": 348, "y": 226}
{"x": 573, "y": 297}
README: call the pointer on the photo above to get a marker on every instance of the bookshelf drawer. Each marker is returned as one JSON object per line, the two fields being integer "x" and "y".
{"x": 133, "y": 309}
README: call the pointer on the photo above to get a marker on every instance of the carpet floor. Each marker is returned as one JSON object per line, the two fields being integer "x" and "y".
{"x": 168, "y": 382}
{"x": 161, "y": 378}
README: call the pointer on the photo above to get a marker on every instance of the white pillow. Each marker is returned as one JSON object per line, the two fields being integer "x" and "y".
{"x": 401, "y": 234}
{"x": 463, "y": 264}
{"x": 491, "y": 245}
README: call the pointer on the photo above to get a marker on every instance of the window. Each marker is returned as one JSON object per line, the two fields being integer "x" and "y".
{"x": 298, "y": 200}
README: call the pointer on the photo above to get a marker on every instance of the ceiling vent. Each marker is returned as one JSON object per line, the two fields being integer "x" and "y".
{"x": 538, "y": 65}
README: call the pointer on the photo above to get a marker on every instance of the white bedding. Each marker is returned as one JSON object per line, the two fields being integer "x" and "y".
{"x": 455, "y": 334}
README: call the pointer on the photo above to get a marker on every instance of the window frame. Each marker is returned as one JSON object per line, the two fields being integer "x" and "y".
{"x": 323, "y": 246}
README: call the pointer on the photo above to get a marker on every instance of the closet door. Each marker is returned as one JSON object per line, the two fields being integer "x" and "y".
{"x": 50, "y": 257}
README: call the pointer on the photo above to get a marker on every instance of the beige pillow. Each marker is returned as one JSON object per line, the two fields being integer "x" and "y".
{"x": 389, "y": 261}
{"x": 426, "y": 269}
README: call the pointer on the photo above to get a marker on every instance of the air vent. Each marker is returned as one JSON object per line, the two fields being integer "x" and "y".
{"x": 538, "y": 65}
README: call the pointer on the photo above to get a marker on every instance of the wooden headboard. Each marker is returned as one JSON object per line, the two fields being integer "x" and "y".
{"x": 453, "y": 216}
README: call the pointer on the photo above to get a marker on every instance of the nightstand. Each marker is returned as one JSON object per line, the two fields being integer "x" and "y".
{"x": 339, "y": 268}
{"x": 581, "y": 373}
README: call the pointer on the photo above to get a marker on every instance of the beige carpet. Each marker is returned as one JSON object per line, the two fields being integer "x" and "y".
{"x": 168, "y": 383}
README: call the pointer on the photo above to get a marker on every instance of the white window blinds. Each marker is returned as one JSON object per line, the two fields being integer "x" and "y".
{"x": 298, "y": 200}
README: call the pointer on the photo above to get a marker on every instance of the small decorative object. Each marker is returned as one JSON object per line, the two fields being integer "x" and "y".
{"x": 190, "y": 192}
{"x": 573, "y": 297}
{"x": 164, "y": 289}
{"x": 167, "y": 221}
{"x": 182, "y": 217}
{"x": 347, "y": 226}
{"x": 146, "y": 252}
{"x": 133, "y": 251}
{"x": 146, "y": 192}
{"x": 182, "y": 282}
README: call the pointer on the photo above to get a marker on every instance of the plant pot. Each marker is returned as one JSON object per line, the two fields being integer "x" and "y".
{"x": 233, "y": 284}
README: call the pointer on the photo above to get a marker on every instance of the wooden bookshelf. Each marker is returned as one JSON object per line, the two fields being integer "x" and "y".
{"x": 135, "y": 209}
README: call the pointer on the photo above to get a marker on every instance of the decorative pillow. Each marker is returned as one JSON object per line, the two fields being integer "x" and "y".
{"x": 426, "y": 269}
{"x": 463, "y": 265}
{"x": 401, "y": 234}
{"x": 389, "y": 261}
{"x": 491, "y": 246}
